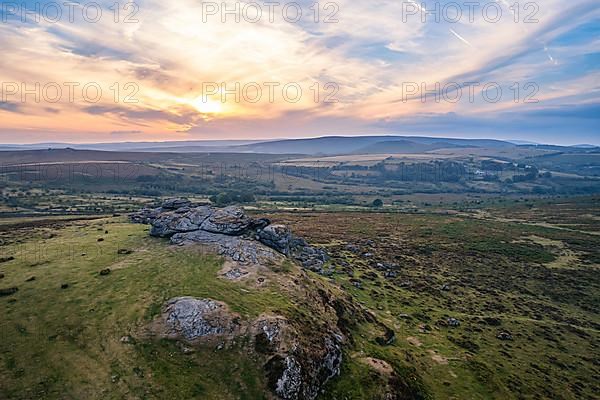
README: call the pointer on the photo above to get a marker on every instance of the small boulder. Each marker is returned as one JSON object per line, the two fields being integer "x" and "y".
{"x": 6, "y": 259}
{"x": 504, "y": 336}
{"x": 105, "y": 272}
{"x": 277, "y": 237}
{"x": 8, "y": 291}
{"x": 64, "y": 286}
{"x": 30, "y": 279}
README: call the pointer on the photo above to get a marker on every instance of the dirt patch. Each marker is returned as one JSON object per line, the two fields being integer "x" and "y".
{"x": 414, "y": 341}
{"x": 438, "y": 359}
{"x": 565, "y": 257}
{"x": 378, "y": 365}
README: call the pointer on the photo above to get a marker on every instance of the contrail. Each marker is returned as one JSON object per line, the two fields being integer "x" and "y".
{"x": 462, "y": 39}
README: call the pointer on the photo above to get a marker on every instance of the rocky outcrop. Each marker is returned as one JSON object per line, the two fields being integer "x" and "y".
{"x": 231, "y": 232}
{"x": 297, "y": 366}
{"x": 236, "y": 248}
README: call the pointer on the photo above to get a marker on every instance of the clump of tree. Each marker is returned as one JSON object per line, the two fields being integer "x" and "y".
{"x": 226, "y": 198}
{"x": 377, "y": 203}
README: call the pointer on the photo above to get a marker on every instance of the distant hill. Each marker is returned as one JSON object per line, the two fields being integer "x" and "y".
{"x": 404, "y": 146}
{"x": 328, "y": 145}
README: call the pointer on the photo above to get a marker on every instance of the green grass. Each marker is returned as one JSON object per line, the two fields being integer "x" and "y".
{"x": 65, "y": 343}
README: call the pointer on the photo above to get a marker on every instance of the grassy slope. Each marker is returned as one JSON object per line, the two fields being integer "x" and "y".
{"x": 65, "y": 343}
{"x": 493, "y": 271}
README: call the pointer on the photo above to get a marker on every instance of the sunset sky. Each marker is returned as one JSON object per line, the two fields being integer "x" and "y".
{"x": 368, "y": 55}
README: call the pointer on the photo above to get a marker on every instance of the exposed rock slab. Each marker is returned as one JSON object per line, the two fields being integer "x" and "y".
{"x": 229, "y": 221}
{"x": 192, "y": 319}
{"x": 242, "y": 250}
{"x": 231, "y": 232}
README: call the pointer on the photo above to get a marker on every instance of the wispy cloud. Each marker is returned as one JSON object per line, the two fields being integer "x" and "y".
{"x": 370, "y": 53}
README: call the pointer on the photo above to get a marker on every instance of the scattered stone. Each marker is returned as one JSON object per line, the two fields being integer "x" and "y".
{"x": 352, "y": 248}
{"x": 124, "y": 251}
{"x": 106, "y": 232}
{"x": 235, "y": 273}
{"x": 105, "y": 272}
{"x": 445, "y": 287}
{"x": 8, "y": 291}
{"x": 453, "y": 322}
{"x": 30, "y": 279}
{"x": 101, "y": 239}
{"x": 127, "y": 340}
{"x": 504, "y": 336}
{"x": 388, "y": 337}
{"x": 6, "y": 259}
{"x": 356, "y": 283}
{"x": 64, "y": 286}
{"x": 114, "y": 378}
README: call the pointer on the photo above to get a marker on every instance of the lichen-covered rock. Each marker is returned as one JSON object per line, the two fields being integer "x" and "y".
{"x": 175, "y": 203}
{"x": 191, "y": 319}
{"x": 231, "y": 232}
{"x": 145, "y": 215}
{"x": 228, "y": 221}
{"x": 277, "y": 237}
{"x": 170, "y": 223}
{"x": 242, "y": 250}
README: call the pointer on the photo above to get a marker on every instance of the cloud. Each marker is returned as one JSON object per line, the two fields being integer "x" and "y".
{"x": 163, "y": 60}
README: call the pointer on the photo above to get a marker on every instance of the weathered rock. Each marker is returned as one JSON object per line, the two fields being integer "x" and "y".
{"x": 229, "y": 221}
{"x": 304, "y": 371}
{"x": 504, "y": 336}
{"x": 105, "y": 271}
{"x": 145, "y": 215}
{"x": 237, "y": 248}
{"x": 299, "y": 366}
{"x": 277, "y": 237}
{"x": 192, "y": 319}
{"x": 175, "y": 203}
{"x": 232, "y": 233}
{"x": 170, "y": 223}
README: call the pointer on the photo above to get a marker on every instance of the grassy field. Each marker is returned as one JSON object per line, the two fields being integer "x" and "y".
{"x": 539, "y": 283}
{"x": 531, "y": 271}
{"x": 65, "y": 343}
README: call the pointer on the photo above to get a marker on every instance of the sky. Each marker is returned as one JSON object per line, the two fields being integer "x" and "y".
{"x": 153, "y": 70}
